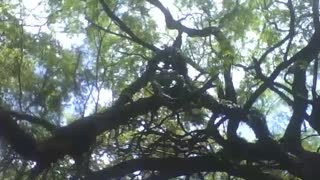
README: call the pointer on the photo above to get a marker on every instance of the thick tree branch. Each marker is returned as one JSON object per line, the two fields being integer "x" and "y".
{"x": 173, "y": 167}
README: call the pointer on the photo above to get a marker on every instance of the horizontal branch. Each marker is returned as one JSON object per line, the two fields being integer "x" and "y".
{"x": 173, "y": 167}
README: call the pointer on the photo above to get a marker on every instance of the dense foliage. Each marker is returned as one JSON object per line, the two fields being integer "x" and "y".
{"x": 149, "y": 89}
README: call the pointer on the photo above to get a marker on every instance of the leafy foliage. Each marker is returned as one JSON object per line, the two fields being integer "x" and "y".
{"x": 103, "y": 89}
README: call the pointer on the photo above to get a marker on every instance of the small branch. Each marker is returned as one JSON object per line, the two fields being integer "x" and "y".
{"x": 174, "y": 24}
{"x": 20, "y": 61}
{"x": 315, "y": 78}
{"x": 125, "y": 28}
{"x": 107, "y": 30}
{"x": 292, "y": 28}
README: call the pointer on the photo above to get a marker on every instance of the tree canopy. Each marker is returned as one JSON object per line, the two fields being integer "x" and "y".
{"x": 150, "y": 89}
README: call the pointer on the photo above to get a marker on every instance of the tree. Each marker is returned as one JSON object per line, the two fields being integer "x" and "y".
{"x": 218, "y": 90}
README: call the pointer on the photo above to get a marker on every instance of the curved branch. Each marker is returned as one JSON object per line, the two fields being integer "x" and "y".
{"x": 125, "y": 28}
{"x": 174, "y": 24}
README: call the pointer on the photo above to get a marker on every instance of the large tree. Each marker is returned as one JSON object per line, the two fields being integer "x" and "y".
{"x": 143, "y": 89}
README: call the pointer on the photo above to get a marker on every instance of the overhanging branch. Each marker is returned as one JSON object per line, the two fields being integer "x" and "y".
{"x": 173, "y": 167}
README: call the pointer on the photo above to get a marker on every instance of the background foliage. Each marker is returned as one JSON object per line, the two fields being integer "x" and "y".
{"x": 143, "y": 89}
